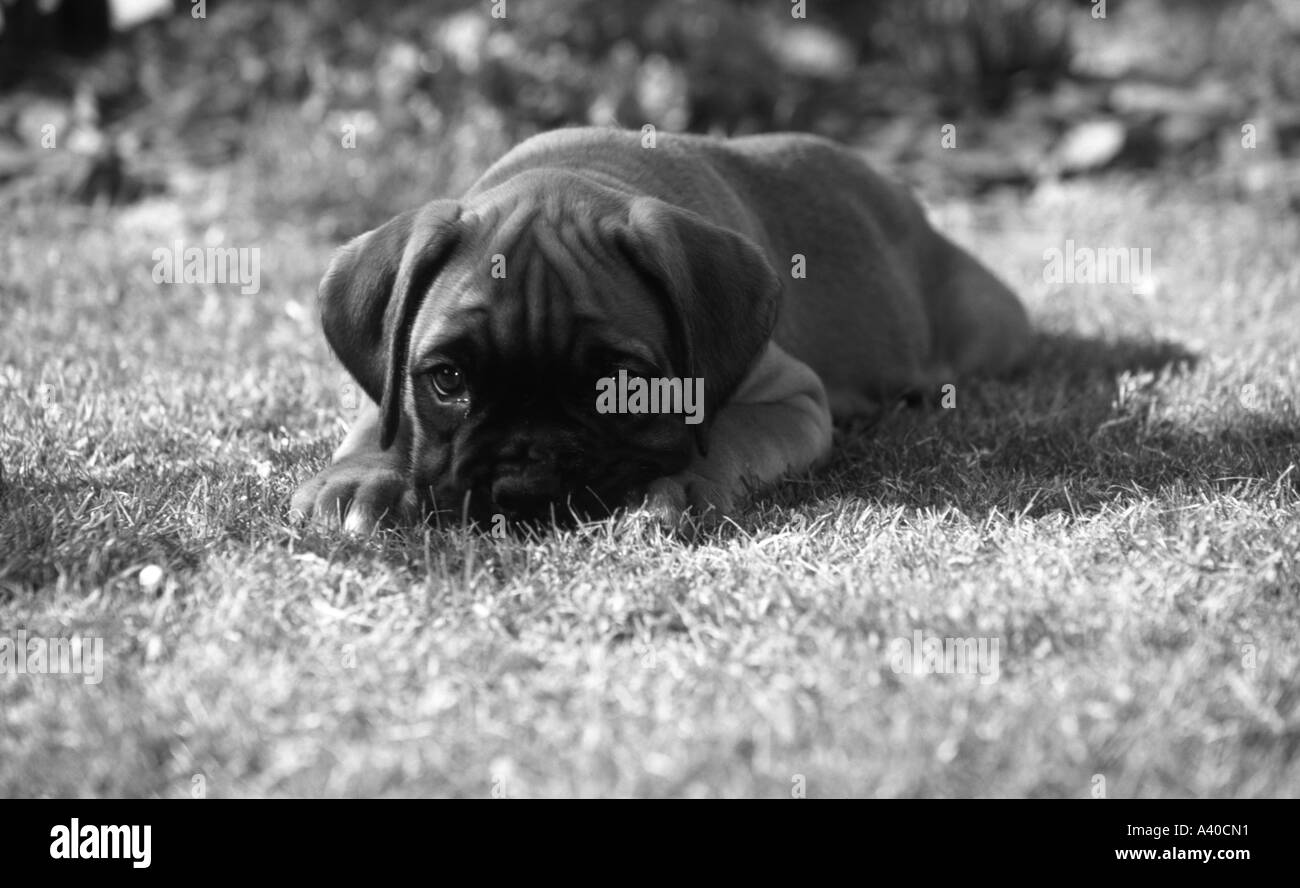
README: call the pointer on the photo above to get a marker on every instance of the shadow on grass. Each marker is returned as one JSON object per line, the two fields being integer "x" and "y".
{"x": 1090, "y": 423}
{"x": 1086, "y": 426}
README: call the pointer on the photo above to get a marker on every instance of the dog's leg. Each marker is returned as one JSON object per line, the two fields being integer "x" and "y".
{"x": 978, "y": 326}
{"x": 363, "y": 484}
{"x": 778, "y": 422}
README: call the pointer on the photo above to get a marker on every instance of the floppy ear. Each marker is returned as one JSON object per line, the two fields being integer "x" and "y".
{"x": 722, "y": 294}
{"x": 371, "y": 293}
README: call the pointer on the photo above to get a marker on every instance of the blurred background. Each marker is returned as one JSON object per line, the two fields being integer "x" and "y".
{"x": 1124, "y": 518}
{"x": 258, "y": 100}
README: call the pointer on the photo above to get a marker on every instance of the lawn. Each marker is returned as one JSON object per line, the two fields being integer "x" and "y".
{"x": 1122, "y": 522}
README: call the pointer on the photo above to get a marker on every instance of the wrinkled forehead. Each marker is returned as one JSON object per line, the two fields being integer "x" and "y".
{"x": 539, "y": 280}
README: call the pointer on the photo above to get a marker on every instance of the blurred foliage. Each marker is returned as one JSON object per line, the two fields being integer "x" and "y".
{"x": 1039, "y": 87}
{"x": 707, "y": 65}
{"x": 975, "y": 54}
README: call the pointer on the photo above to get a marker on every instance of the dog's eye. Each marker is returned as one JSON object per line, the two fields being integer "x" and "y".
{"x": 633, "y": 366}
{"x": 448, "y": 381}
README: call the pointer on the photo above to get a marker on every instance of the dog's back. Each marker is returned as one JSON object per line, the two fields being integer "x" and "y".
{"x": 863, "y": 235}
{"x": 885, "y": 304}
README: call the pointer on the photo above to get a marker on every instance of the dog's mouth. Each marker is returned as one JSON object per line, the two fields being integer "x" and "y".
{"x": 525, "y": 509}
{"x": 534, "y": 498}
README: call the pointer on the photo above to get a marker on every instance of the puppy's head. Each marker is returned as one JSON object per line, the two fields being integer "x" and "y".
{"x": 484, "y": 328}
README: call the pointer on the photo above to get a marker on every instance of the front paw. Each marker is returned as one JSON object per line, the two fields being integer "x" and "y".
{"x": 356, "y": 493}
{"x": 675, "y": 501}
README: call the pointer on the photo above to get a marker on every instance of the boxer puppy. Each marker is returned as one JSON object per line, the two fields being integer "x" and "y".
{"x": 782, "y": 271}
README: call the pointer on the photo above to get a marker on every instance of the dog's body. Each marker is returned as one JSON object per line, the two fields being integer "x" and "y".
{"x": 795, "y": 280}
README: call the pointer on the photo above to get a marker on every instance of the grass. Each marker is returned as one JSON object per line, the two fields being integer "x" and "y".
{"x": 1122, "y": 519}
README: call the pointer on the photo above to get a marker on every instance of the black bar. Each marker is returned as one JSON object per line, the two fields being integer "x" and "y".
{"x": 303, "y": 838}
